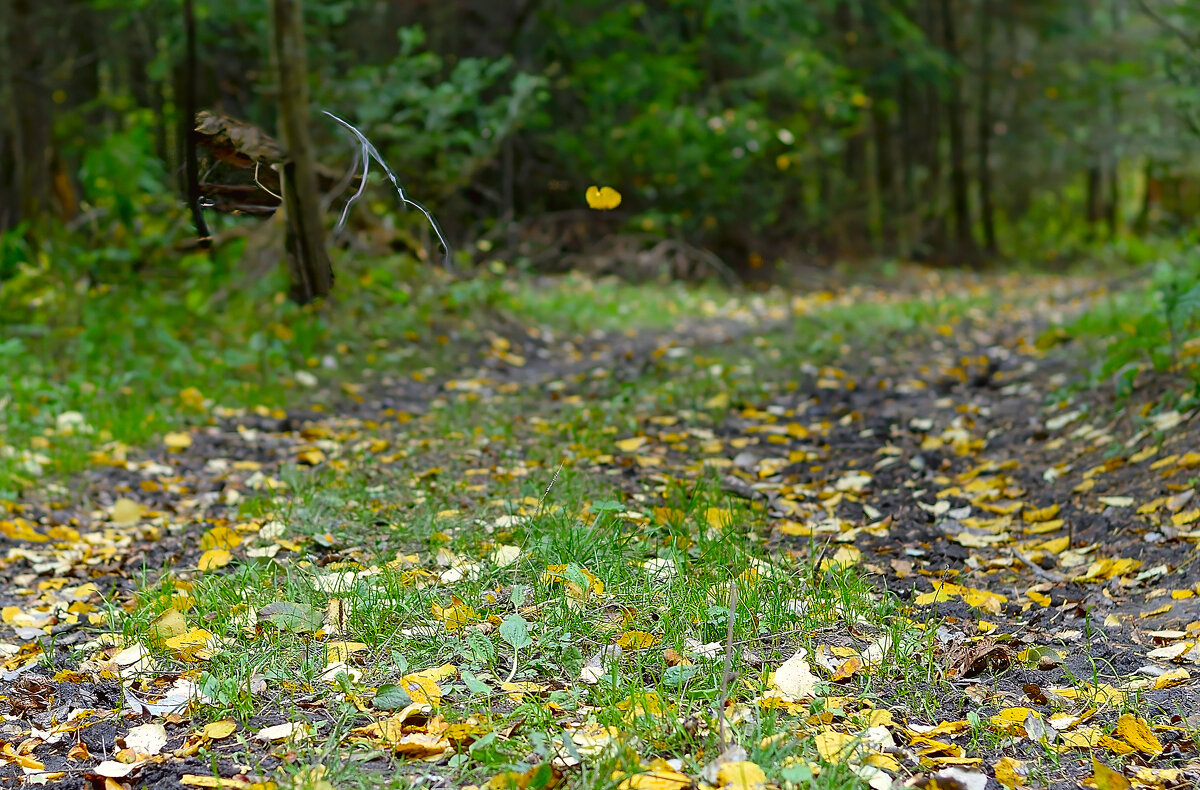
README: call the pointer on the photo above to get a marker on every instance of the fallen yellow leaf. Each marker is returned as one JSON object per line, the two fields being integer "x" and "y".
{"x": 178, "y": 440}
{"x": 1010, "y": 772}
{"x": 217, "y": 730}
{"x": 742, "y": 775}
{"x": 125, "y": 512}
{"x": 1106, "y": 778}
{"x": 1137, "y": 734}
{"x": 213, "y": 559}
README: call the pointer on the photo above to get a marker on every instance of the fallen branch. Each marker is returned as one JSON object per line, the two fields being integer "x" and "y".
{"x": 1038, "y": 570}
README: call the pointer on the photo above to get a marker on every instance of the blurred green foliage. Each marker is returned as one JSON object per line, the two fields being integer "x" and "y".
{"x": 754, "y": 128}
{"x": 444, "y": 123}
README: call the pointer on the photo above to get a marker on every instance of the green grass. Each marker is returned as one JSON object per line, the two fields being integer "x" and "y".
{"x": 405, "y": 527}
{"x": 576, "y": 527}
{"x": 1144, "y": 331}
{"x": 120, "y": 363}
{"x": 405, "y": 539}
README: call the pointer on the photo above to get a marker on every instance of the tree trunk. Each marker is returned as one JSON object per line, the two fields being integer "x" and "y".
{"x": 1095, "y": 197}
{"x": 885, "y": 180}
{"x": 959, "y": 182}
{"x": 986, "y": 209}
{"x": 852, "y": 189}
{"x": 312, "y": 273}
{"x": 1113, "y": 158}
{"x": 1151, "y": 198}
{"x": 907, "y": 152}
{"x": 933, "y": 220}
{"x": 33, "y": 153}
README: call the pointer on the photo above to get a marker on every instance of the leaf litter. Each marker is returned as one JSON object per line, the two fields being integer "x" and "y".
{"x": 944, "y": 582}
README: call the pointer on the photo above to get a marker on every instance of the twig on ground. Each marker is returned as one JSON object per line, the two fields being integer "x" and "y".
{"x": 728, "y": 670}
{"x": 1038, "y": 570}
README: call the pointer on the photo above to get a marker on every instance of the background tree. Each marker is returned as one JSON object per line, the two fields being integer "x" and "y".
{"x": 757, "y": 130}
{"x": 308, "y": 261}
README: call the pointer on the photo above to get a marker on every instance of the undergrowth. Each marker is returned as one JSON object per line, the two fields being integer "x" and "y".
{"x": 1147, "y": 331}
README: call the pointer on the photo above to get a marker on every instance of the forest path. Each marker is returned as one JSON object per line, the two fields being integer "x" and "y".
{"x": 1036, "y": 549}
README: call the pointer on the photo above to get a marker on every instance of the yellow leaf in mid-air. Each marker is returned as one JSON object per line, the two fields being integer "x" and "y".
{"x": 503, "y": 555}
{"x": 844, "y": 557}
{"x": 603, "y": 198}
{"x": 1137, "y": 734}
{"x": 718, "y": 517}
{"x": 642, "y": 704}
{"x": 718, "y": 401}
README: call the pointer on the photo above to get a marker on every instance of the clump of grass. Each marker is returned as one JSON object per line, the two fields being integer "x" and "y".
{"x": 1152, "y": 329}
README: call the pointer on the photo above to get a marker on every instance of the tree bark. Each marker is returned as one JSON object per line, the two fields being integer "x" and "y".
{"x": 312, "y": 273}
{"x": 908, "y": 151}
{"x": 33, "y": 153}
{"x": 933, "y": 221}
{"x": 959, "y": 181}
{"x": 1093, "y": 205}
{"x": 986, "y": 209}
{"x": 1113, "y": 209}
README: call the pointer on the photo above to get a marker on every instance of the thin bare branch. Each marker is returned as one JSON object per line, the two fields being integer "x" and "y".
{"x": 1164, "y": 21}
